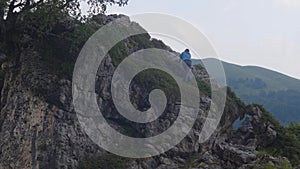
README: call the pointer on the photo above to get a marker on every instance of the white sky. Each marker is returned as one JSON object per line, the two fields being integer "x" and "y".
{"x": 254, "y": 32}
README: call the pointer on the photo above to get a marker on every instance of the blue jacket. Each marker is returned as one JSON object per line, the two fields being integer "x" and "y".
{"x": 185, "y": 56}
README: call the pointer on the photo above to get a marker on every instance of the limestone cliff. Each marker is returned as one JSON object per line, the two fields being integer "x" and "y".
{"x": 39, "y": 128}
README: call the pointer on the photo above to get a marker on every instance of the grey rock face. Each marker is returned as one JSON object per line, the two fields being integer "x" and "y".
{"x": 237, "y": 154}
{"x": 38, "y": 125}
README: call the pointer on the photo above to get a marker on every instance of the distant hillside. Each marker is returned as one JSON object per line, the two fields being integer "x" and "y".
{"x": 278, "y": 93}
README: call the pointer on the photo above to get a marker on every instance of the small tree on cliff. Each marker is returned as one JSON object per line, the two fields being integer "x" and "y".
{"x": 39, "y": 16}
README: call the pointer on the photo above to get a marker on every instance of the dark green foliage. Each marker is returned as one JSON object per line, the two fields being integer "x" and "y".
{"x": 57, "y": 57}
{"x": 124, "y": 48}
{"x": 142, "y": 41}
{"x": 10, "y": 7}
{"x": 267, "y": 116}
{"x": 295, "y": 128}
{"x": 193, "y": 162}
{"x": 158, "y": 44}
{"x": 287, "y": 143}
{"x": 80, "y": 34}
{"x": 199, "y": 67}
{"x": 134, "y": 43}
{"x": 59, "y": 53}
{"x": 105, "y": 162}
{"x": 204, "y": 87}
{"x": 232, "y": 97}
{"x": 284, "y": 104}
{"x": 278, "y": 93}
{"x": 283, "y": 165}
{"x": 255, "y": 83}
{"x": 42, "y": 21}
{"x": 118, "y": 53}
{"x": 39, "y": 17}
{"x": 151, "y": 79}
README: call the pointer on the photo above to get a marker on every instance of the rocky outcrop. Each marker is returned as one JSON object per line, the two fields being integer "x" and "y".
{"x": 39, "y": 129}
{"x": 259, "y": 133}
{"x": 38, "y": 126}
{"x": 237, "y": 154}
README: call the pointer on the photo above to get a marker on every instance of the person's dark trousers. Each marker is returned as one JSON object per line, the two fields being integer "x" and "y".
{"x": 189, "y": 64}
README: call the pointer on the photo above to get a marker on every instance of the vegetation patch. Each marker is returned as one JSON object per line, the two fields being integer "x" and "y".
{"x": 287, "y": 142}
{"x": 105, "y": 162}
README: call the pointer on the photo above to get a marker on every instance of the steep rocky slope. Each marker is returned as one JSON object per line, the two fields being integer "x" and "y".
{"x": 39, "y": 128}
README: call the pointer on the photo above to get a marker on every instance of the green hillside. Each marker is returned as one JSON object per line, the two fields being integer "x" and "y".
{"x": 278, "y": 93}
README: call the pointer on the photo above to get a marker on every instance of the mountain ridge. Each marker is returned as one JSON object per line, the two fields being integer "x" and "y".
{"x": 279, "y": 93}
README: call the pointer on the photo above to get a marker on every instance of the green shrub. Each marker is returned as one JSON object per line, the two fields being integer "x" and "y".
{"x": 105, "y": 162}
{"x": 118, "y": 53}
{"x": 287, "y": 142}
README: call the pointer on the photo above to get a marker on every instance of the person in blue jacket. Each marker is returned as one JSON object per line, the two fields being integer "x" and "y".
{"x": 186, "y": 57}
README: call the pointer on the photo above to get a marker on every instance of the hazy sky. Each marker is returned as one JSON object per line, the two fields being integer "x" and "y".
{"x": 254, "y": 32}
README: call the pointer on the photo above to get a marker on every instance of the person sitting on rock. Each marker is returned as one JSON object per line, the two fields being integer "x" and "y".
{"x": 186, "y": 57}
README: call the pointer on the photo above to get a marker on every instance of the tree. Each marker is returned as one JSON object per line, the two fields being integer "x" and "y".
{"x": 17, "y": 15}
